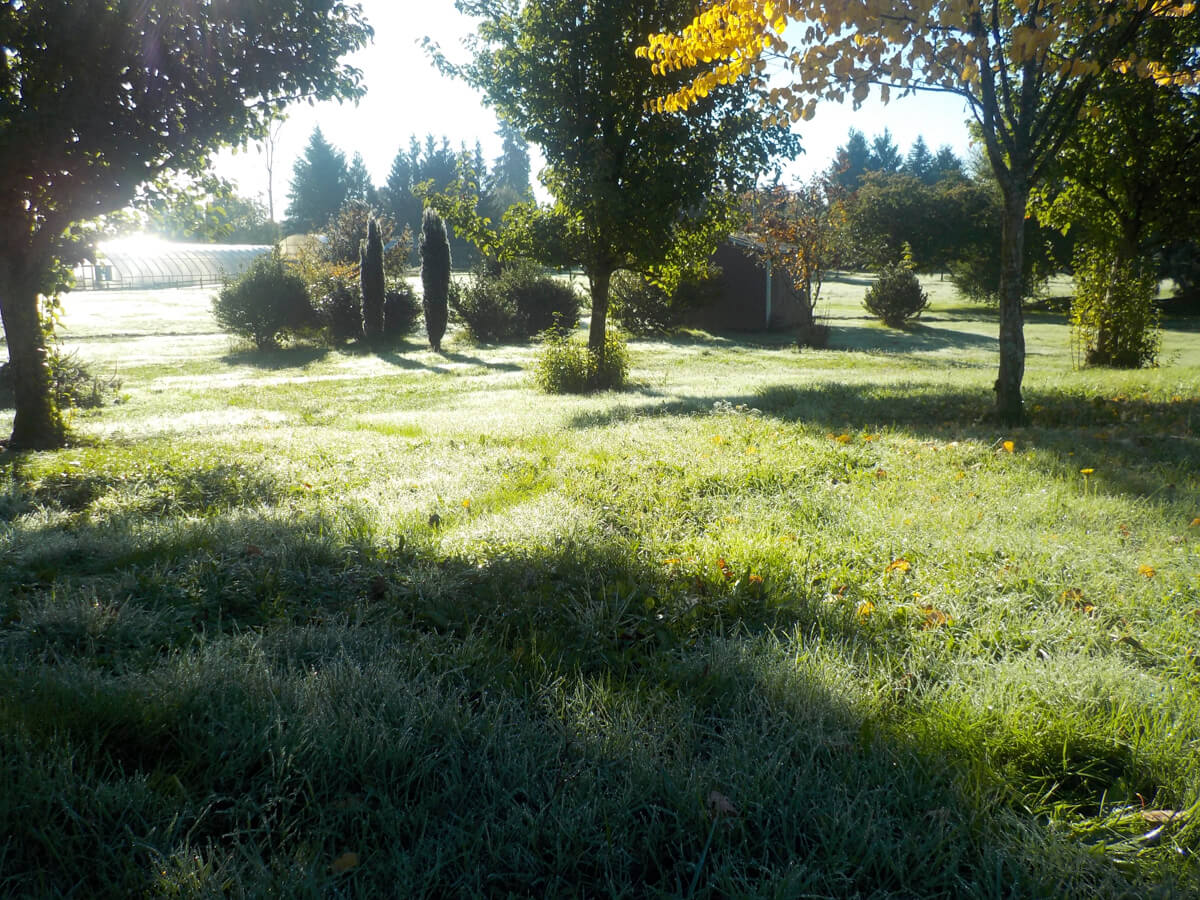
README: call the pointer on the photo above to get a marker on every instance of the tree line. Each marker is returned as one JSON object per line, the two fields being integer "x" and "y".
{"x": 323, "y": 182}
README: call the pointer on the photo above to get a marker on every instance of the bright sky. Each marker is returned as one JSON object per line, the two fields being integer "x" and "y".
{"x": 406, "y": 95}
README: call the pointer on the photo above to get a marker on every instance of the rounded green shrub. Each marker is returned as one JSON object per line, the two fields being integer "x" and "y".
{"x": 644, "y": 308}
{"x": 896, "y": 296}
{"x": 401, "y": 310}
{"x": 514, "y": 302}
{"x": 339, "y": 310}
{"x": 566, "y": 366}
{"x": 1114, "y": 320}
{"x": 267, "y": 303}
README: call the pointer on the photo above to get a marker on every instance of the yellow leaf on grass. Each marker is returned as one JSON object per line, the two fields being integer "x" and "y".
{"x": 898, "y": 565}
{"x": 1195, "y": 523}
{"x": 1146, "y": 571}
{"x": 1009, "y": 446}
{"x": 864, "y": 609}
{"x": 345, "y": 862}
{"x": 934, "y": 617}
{"x": 843, "y": 438}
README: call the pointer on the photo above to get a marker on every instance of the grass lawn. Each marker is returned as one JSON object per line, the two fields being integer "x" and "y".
{"x": 771, "y": 623}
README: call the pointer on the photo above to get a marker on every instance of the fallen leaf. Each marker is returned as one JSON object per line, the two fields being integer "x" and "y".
{"x": 1146, "y": 571}
{"x": 756, "y": 579}
{"x": 1195, "y": 523}
{"x": 1161, "y": 816}
{"x": 843, "y": 439}
{"x": 864, "y": 609}
{"x": 1008, "y": 446}
{"x": 934, "y": 617}
{"x": 898, "y": 565}
{"x": 345, "y": 862}
{"x": 724, "y": 567}
{"x": 719, "y": 805}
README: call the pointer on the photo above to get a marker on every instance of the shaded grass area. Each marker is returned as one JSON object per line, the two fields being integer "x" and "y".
{"x": 770, "y": 624}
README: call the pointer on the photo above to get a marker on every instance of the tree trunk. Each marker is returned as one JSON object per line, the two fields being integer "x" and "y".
{"x": 37, "y": 424}
{"x": 1010, "y": 408}
{"x": 599, "y": 279}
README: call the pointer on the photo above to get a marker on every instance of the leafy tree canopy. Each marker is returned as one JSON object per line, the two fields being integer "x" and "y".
{"x": 1024, "y": 67}
{"x": 98, "y": 97}
{"x": 565, "y": 74}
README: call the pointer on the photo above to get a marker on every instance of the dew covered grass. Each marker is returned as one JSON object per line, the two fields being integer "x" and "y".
{"x": 324, "y": 622}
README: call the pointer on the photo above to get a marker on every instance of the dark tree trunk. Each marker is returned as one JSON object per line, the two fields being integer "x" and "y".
{"x": 599, "y": 280}
{"x": 1010, "y": 408}
{"x": 37, "y": 424}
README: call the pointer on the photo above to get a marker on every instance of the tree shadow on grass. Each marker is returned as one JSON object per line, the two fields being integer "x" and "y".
{"x": 293, "y": 357}
{"x": 548, "y": 719}
{"x": 916, "y": 338}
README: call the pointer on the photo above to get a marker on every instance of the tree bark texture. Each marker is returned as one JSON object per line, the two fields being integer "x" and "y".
{"x": 37, "y": 424}
{"x": 599, "y": 280}
{"x": 1010, "y": 408}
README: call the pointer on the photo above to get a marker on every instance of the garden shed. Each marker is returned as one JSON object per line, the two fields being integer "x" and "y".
{"x": 141, "y": 262}
{"x": 753, "y": 294}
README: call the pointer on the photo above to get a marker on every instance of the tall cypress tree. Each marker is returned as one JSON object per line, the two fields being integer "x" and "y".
{"x": 371, "y": 279}
{"x": 320, "y": 180}
{"x": 435, "y": 275}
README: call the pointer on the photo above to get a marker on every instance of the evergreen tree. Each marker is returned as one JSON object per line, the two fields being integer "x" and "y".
{"x": 320, "y": 181}
{"x": 398, "y": 198}
{"x": 371, "y": 278}
{"x": 947, "y": 164}
{"x": 851, "y": 162}
{"x": 920, "y": 162}
{"x": 885, "y": 155}
{"x": 358, "y": 181}
{"x": 435, "y": 275}
{"x": 510, "y": 175}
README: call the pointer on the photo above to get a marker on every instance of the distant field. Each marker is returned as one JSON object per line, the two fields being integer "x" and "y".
{"x": 770, "y": 623}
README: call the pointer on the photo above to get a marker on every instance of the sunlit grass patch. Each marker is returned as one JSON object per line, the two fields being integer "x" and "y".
{"x": 341, "y": 622}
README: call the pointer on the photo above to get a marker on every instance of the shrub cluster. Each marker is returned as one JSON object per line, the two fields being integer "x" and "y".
{"x": 1114, "y": 320}
{"x": 514, "y": 303}
{"x": 896, "y": 296}
{"x": 401, "y": 310}
{"x": 268, "y": 303}
{"x": 644, "y": 308}
{"x": 565, "y": 366}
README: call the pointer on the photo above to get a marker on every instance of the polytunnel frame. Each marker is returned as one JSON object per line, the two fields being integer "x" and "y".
{"x": 141, "y": 264}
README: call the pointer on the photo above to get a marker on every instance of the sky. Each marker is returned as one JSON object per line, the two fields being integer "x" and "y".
{"x": 406, "y": 95}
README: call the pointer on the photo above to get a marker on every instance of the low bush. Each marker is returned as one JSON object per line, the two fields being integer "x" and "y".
{"x": 72, "y": 384}
{"x": 644, "y": 308}
{"x": 566, "y": 366}
{"x": 514, "y": 303}
{"x": 896, "y": 296}
{"x": 268, "y": 303}
{"x": 401, "y": 310}
{"x": 1114, "y": 320}
{"x": 339, "y": 308}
